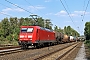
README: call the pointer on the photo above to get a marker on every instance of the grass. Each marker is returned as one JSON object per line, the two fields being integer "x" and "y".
{"x": 87, "y": 49}
{"x": 15, "y": 43}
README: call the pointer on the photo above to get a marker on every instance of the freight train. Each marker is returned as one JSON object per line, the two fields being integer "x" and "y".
{"x": 37, "y": 36}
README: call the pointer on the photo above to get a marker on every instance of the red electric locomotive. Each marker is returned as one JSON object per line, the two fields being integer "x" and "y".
{"x": 35, "y": 36}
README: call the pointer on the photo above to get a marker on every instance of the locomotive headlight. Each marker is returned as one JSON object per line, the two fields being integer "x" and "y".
{"x": 29, "y": 36}
{"x": 21, "y": 36}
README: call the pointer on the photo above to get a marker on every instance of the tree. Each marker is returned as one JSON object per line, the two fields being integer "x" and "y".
{"x": 56, "y": 28}
{"x": 87, "y": 30}
{"x": 28, "y": 21}
{"x": 21, "y": 21}
{"x": 48, "y": 24}
{"x": 1, "y": 30}
{"x": 40, "y": 22}
{"x": 70, "y": 31}
{"x": 5, "y": 27}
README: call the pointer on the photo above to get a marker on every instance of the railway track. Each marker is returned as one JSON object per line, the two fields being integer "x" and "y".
{"x": 11, "y": 47}
{"x": 36, "y": 54}
{"x": 58, "y": 54}
{"x": 3, "y": 47}
{"x": 10, "y": 50}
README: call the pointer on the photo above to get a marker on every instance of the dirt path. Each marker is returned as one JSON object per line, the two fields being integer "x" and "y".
{"x": 81, "y": 54}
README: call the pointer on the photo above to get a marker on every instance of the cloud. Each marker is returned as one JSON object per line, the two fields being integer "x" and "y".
{"x": 19, "y": 10}
{"x": 5, "y": 13}
{"x": 13, "y": 9}
{"x": 38, "y": 7}
{"x": 47, "y": 0}
{"x": 7, "y": 9}
{"x": 73, "y": 14}
{"x": 61, "y": 13}
{"x": 81, "y": 12}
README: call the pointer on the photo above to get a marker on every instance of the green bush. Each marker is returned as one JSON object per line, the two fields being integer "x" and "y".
{"x": 15, "y": 43}
{"x": 16, "y": 37}
{"x": 9, "y": 37}
{"x": 87, "y": 41}
{"x": 2, "y": 38}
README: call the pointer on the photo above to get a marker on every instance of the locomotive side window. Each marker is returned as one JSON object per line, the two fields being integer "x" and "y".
{"x": 24, "y": 30}
{"x": 30, "y": 30}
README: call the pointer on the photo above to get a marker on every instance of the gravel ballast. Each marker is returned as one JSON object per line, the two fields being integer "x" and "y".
{"x": 81, "y": 54}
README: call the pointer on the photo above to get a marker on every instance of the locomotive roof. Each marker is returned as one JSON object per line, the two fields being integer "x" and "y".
{"x": 29, "y": 26}
{"x": 38, "y": 27}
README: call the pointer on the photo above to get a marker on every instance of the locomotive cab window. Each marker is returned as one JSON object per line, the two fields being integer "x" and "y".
{"x": 27, "y": 30}
{"x": 30, "y": 30}
{"x": 24, "y": 30}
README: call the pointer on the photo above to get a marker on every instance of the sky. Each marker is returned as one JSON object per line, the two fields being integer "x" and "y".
{"x": 61, "y": 12}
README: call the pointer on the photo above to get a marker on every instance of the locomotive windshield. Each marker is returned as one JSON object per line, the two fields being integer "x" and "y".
{"x": 27, "y": 30}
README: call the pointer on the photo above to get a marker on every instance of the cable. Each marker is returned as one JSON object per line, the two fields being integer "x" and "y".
{"x": 68, "y": 9}
{"x": 4, "y": 13}
{"x": 67, "y": 6}
{"x": 28, "y": 3}
{"x": 31, "y": 5}
{"x": 4, "y": 5}
{"x": 18, "y": 6}
{"x": 21, "y": 8}
{"x": 84, "y": 5}
{"x": 67, "y": 12}
{"x": 85, "y": 10}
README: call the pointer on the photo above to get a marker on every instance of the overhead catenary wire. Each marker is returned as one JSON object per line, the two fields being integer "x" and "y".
{"x": 83, "y": 5}
{"x": 81, "y": 24}
{"x": 22, "y": 8}
{"x": 3, "y": 12}
{"x": 85, "y": 10}
{"x": 31, "y": 5}
{"x": 34, "y": 7}
{"x": 67, "y": 11}
{"x": 18, "y": 6}
{"x": 67, "y": 6}
{"x": 4, "y": 5}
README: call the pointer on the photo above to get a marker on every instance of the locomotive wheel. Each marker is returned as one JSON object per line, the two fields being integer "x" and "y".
{"x": 24, "y": 47}
{"x": 51, "y": 44}
{"x": 37, "y": 45}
